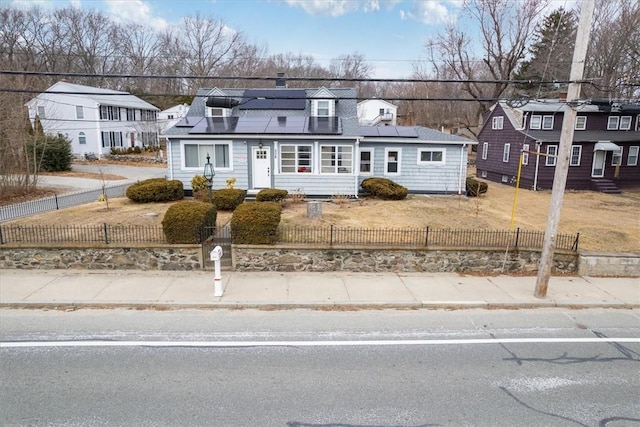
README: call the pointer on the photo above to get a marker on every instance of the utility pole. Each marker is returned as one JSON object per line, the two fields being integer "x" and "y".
{"x": 564, "y": 148}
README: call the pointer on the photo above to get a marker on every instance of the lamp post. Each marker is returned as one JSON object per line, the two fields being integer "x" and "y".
{"x": 209, "y": 173}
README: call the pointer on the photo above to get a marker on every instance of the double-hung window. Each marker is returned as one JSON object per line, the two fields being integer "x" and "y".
{"x": 79, "y": 112}
{"x": 82, "y": 138}
{"x": 485, "y": 150}
{"x": 323, "y": 108}
{"x": 625, "y": 123}
{"x": 336, "y": 159}
{"x": 552, "y": 153}
{"x": 111, "y": 139}
{"x": 195, "y": 155}
{"x": 41, "y": 113}
{"x": 632, "y": 156}
{"x": 296, "y": 158}
{"x": 131, "y": 115}
{"x": 109, "y": 112}
{"x": 536, "y": 122}
{"x": 505, "y": 153}
{"x": 616, "y": 158}
{"x": 581, "y": 123}
{"x": 613, "y": 123}
{"x": 392, "y": 161}
{"x": 576, "y": 153}
{"x": 497, "y": 123}
{"x": 525, "y": 154}
{"x": 366, "y": 161}
{"x": 547, "y": 122}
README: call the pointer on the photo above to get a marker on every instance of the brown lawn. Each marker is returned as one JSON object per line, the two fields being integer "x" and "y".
{"x": 605, "y": 222}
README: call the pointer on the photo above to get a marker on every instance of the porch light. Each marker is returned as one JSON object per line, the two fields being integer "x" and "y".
{"x": 209, "y": 173}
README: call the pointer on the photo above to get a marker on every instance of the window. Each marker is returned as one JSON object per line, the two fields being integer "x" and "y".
{"x": 430, "y": 157}
{"x": 392, "y": 162}
{"x": 632, "y": 157}
{"x": 581, "y": 123}
{"x": 217, "y": 112}
{"x": 505, "y": 152}
{"x": 366, "y": 161}
{"x": 296, "y": 159}
{"x": 638, "y": 122}
{"x": 497, "y": 123}
{"x": 485, "y": 150}
{"x": 613, "y": 123}
{"x": 131, "y": 115}
{"x": 483, "y": 174}
{"x": 170, "y": 116}
{"x": 111, "y": 139}
{"x": 505, "y": 178}
{"x": 336, "y": 159}
{"x": 149, "y": 139}
{"x": 625, "y": 123}
{"x": 41, "y": 112}
{"x": 108, "y": 112}
{"x": 616, "y": 158}
{"x": 525, "y": 154}
{"x": 82, "y": 138}
{"x": 79, "y": 112}
{"x": 547, "y": 122}
{"x": 323, "y": 108}
{"x": 576, "y": 153}
{"x": 552, "y": 152}
{"x": 195, "y": 155}
{"x": 536, "y": 122}
{"x": 381, "y": 111}
{"x": 148, "y": 115}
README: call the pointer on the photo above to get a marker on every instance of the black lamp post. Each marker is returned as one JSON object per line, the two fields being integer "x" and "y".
{"x": 209, "y": 173}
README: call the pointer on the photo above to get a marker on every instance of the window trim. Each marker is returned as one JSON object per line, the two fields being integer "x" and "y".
{"x": 40, "y": 112}
{"x": 82, "y": 136}
{"x": 183, "y": 157}
{"x": 584, "y": 123}
{"x": 628, "y": 119}
{"x": 336, "y": 167}
{"x": 297, "y": 167}
{"x": 637, "y": 150}
{"x": 544, "y": 121}
{"x": 538, "y": 123}
{"x": 610, "y": 125}
{"x": 497, "y": 123}
{"x": 571, "y": 162}
{"x": 506, "y": 153}
{"x": 432, "y": 162}
{"x": 638, "y": 122}
{"x": 388, "y": 150}
{"x": 615, "y": 154}
{"x": 525, "y": 154}
{"x": 331, "y": 106}
{"x": 79, "y": 112}
{"x": 370, "y": 150}
{"x": 224, "y": 112}
{"x": 485, "y": 150}
{"x": 551, "y": 159}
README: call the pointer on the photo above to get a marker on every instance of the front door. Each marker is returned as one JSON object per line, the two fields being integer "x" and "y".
{"x": 597, "y": 169}
{"x": 261, "y": 167}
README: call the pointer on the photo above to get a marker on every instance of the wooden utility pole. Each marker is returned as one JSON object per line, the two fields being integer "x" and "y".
{"x": 564, "y": 148}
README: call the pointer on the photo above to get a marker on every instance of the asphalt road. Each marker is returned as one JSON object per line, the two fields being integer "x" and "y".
{"x": 305, "y": 368}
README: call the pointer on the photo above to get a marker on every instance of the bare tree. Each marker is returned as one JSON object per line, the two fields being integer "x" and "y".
{"x": 506, "y": 29}
{"x": 352, "y": 66}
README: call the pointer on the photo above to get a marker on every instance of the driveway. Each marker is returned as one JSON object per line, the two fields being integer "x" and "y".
{"x": 69, "y": 184}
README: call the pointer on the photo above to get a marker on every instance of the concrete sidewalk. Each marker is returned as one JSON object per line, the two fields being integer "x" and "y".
{"x": 64, "y": 289}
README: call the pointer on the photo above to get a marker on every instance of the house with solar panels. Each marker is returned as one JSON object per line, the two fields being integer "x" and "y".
{"x": 94, "y": 119}
{"x": 308, "y": 141}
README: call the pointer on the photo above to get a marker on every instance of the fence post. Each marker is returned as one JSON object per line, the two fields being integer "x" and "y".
{"x": 574, "y": 247}
{"x": 426, "y": 237}
{"x": 56, "y": 198}
{"x": 331, "y": 236}
{"x": 517, "y": 236}
{"x": 1, "y": 239}
{"x": 106, "y": 235}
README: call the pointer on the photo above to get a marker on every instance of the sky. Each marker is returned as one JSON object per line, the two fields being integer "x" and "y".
{"x": 390, "y": 34}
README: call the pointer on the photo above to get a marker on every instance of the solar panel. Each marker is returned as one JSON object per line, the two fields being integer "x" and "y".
{"x": 252, "y": 124}
{"x": 325, "y": 125}
{"x": 388, "y": 131}
{"x": 407, "y": 132}
{"x": 215, "y": 125}
{"x": 273, "y": 99}
{"x": 188, "y": 122}
{"x": 369, "y": 131}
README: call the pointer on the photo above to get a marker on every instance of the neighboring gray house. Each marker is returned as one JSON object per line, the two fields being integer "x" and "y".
{"x": 307, "y": 141}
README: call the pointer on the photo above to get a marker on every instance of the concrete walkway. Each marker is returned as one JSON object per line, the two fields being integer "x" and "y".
{"x": 65, "y": 289}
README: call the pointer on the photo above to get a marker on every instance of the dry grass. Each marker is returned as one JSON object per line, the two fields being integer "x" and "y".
{"x": 605, "y": 222}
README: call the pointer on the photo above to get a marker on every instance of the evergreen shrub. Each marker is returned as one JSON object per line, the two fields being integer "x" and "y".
{"x": 383, "y": 188}
{"x": 271, "y": 195}
{"x": 256, "y": 223}
{"x": 228, "y": 199}
{"x": 155, "y": 190}
{"x": 185, "y": 222}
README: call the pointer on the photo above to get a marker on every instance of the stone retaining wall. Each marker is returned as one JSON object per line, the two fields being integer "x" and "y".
{"x": 609, "y": 265}
{"x": 135, "y": 159}
{"x": 392, "y": 259}
{"x": 111, "y": 257}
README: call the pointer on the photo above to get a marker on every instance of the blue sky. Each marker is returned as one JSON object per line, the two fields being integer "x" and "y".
{"x": 391, "y": 34}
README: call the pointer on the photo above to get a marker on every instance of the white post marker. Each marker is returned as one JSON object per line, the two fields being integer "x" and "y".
{"x": 216, "y": 256}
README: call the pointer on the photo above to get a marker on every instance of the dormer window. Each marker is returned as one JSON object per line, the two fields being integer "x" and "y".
{"x": 217, "y": 112}
{"x": 323, "y": 107}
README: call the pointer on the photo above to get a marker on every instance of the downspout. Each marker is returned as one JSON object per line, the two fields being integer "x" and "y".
{"x": 169, "y": 159}
{"x": 462, "y": 165}
{"x": 535, "y": 177}
{"x": 356, "y": 168}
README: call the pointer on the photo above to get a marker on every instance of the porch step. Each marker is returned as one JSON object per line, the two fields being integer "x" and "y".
{"x": 605, "y": 186}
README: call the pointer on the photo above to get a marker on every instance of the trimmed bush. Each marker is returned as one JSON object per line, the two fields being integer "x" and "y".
{"x": 271, "y": 195}
{"x": 384, "y": 188}
{"x": 51, "y": 153}
{"x": 475, "y": 188}
{"x": 256, "y": 223}
{"x": 184, "y": 222}
{"x": 227, "y": 199}
{"x": 155, "y": 190}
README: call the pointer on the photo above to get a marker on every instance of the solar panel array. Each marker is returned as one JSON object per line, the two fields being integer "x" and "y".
{"x": 273, "y": 99}
{"x": 265, "y": 125}
{"x": 388, "y": 131}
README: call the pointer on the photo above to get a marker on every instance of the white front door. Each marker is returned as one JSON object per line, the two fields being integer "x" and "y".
{"x": 597, "y": 169}
{"x": 261, "y": 167}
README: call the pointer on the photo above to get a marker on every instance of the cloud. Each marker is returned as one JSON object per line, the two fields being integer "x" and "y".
{"x": 138, "y": 11}
{"x": 432, "y": 11}
{"x": 340, "y": 7}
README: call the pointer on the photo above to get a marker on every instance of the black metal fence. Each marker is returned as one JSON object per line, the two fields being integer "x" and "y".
{"x": 330, "y": 235}
{"x": 52, "y": 203}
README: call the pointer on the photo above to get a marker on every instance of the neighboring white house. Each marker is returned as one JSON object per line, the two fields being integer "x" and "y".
{"x": 376, "y": 112}
{"x": 169, "y": 117}
{"x": 95, "y": 119}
